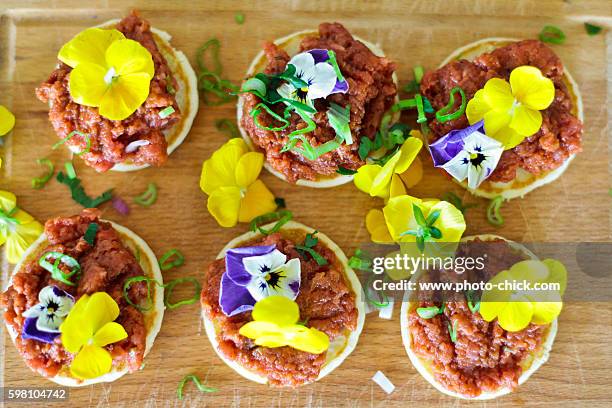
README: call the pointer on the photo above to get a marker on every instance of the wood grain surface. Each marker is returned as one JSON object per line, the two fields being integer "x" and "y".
{"x": 575, "y": 208}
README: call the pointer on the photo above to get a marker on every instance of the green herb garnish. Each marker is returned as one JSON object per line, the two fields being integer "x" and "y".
{"x": 196, "y": 381}
{"x": 411, "y": 87}
{"x": 165, "y": 263}
{"x": 472, "y": 302}
{"x": 57, "y": 273}
{"x": 282, "y": 217}
{"x": 228, "y": 127}
{"x": 452, "y": 331}
{"x": 430, "y": 312}
{"x": 70, "y": 136}
{"x": 334, "y": 63}
{"x": 307, "y": 247}
{"x": 169, "y": 287}
{"x": 345, "y": 172}
{"x": 443, "y": 114}
{"x": 418, "y": 73}
{"x": 210, "y": 81}
{"x": 40, "y": 182}
{"x": 149, "y": 197}
{"x": 384, "y": 299}
{"x": 361, "y": 261}
{"x": 493, "y": 213}
{"x": 280, "y": 202}
{"x": 78, "y": 193}
{"x": 425, "y": 229}
{"x": 420, "y": 109}
{"x": 592, "y": 29}
{"x": 339, "y": 119}
{"x": 167, "y": 111}
{"x": 70, "y": 172}
{"x": 456, "y": 201}
{"x": 239, "y": 18}
{"x": 552, "y": 34}
{"x": 90, "y": 234}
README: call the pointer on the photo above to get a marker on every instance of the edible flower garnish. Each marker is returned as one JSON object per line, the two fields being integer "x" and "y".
{"x": 275, "y": 325}
{"x": 467, "y": 153}
{"x": 87, "y": 329}
{"x": 511, "y": 111}
{"x": 109, "y": 71}
{"x": 7, "y": 120}
{"x": 515, "y": 310}
{"x": 229, "y": 177}
{"x": 18, "y": 230}
{"x": 44, "y": 319}
{"x": 384, "y": 181}
{"x": 254, "y": 273}
{"x": 412, "y": 220}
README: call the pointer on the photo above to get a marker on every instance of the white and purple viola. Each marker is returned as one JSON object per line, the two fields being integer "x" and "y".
{"x": 253, "y": 273}
{"x": 44, "y": 319}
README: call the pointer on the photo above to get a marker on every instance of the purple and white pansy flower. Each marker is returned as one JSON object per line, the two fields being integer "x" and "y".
{"x": 467, "y": 153}
{"x": 253, "y": 273}
{"x": 44, "y": 319}
{"x": 314, "y": 67}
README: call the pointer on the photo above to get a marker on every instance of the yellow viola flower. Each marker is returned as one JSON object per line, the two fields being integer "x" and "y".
{"x": 511, "y": 111}
{"x": 87, "y": 329}
{"x": 275, "y": 325}
{"x": 109, "y": 71}
{"x": 7, "y": 120}
{"x": 516, "y": 309}
{"x": 384, "y": 181}
{"x": 229, "y": 177}
{"x": 18, "y": 229}
{"x": 377, "y": 227}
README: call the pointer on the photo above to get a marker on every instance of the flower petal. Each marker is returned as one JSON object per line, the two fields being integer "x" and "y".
{"x": 495, "y": 120}
{"x": 557, "y": 273}
{"x": 516, "y": 315}
{"x": 289, "y": 281}
{"x": 526, "y": 121}
{"x": 450, "y": 222}
{"x": 220, "y": 169}
{"x": 477, "y": 107}
{"x": 303, "y": 62}
{"x": 262, "y": 264}
{"x": 307, "y": 339}
{"x": 126, "y": 94}
{"x": 257, "y": 329}
{"x": 49, "y": 322}
{"x": 87, "y": 86}
{"x": 7, "y": 120}
{"x": 248, "y": 168}
{"x": 26, "y": 232}
{"x": 8, "y": 201}
{"x": 224, "y": 205}
{"x": 399, "y": 217}
{"x": 365, "y": 176}
{"x": 257, "y": 200}
{"x": 88, "y": 46}
{"x": 111, "y": 332}
{"x": 233, "y": 298}
{"x": 323, "y": 82}
{"x": 100, "y": 310}
{"x": 396, "y": 187}
{"x": 531, "y": 88}
{"x": 376, "y": 226}
{"x": 234, "y": 266}
{"x": 30, "y": 331}
{"x": 544, "y": 312}
{"x": 414, "y": 174}
{"x": 498, "y": 95}
{"x": 91, "y": 362}
{"x": 129, "y": 57}
{"x": 276, "y": 309}
{"x": 74, "y": 333}
{"x": 408, "y": 152}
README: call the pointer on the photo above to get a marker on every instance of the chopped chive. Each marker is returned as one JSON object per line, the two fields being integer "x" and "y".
{"x": 40, "y": 182}
{"x": 167, "y": 111}
{"x": 165, "y": 263}
{"x": 420, "y": 109}
{"x": 170, "y": 287}
{"x": 149, "y": 197}
{"x": 56, "y": 273}
{"x": 90, "y": 234}
{"x": 361, "y": 261}
{"x": 418, "y": 73}
{"x": 196, "y": 381}
{"x": 70, "y": 172}
{"x": 126, "y": 287}
{"x": 228, "y": 127}
{"x": 443, "y": 116}
{"x": 429, "y": 312}
{"x": 411, "y": 87}
{"x": 472, "y": 302}
{"x": 70, "y": 136}
{"x": 345, "y": 172}
{"x": 239, "y": 18}
{"x": 308, "y": 248}
{"x": 78, "y": 192}
{"x": 210, "y": 81}
{"x": 493, "y": 213}
{"x": 592, "y": 29}
{"x": 280, "y": 202}
{"x": 282, "y": 217}
{"x": 552, "y": 34}
{"x": 334, "y": 63}
{"x": 452, "y": 331}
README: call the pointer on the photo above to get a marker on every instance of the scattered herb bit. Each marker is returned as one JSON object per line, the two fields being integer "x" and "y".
{"x": 429, "y": 312}
{"x": 418, "y": 73}
{"x": 196, "y": 381}
{"x": 165, "y": 263}
{"x": 552, "y": 34}
{"x": 452, "y": 331}
{"x": 592, "y": 29}
{"x": 169, "y": 87}
{"x": 443, "y": 114}
{"x": 78, "y": 193}
{"x": 280, "y": 202}
{"x": 228, "y": 127}
{"x": 345, "y": 172}
{"x": 427, "y": 106}
{"x": 361, "y": 261}
{"x": 239, "y": 18}
{"x": 421, "y": 118}
{"x": 170, "y": 287}
{"x": 164, "y": 113}
{"x": 493, "y": 214}
{"x": 40, "y": 182}
{"x": 149, "y": 197}
{"x": 455, "y": 200}
{"x": 411, "y": 87}
{"x": 282, "y": 217}
{"x": 426, "y": 229}
{"x": 210, "y": 81}
{"x": 70, "y": 172}
{"x": 384, "y": 299}
{"x": 472, "y": 302}
{"x": 57, "y": 273}
{"x": 90, "y": 234}
{"x": 134, "y": 279}
{"x": 339, "y": 119}
{"x": 307, "y": 247}
{"x": 168, "y": 292}
{"x": 86, "y": 137}
{"x": 334, "y": 63}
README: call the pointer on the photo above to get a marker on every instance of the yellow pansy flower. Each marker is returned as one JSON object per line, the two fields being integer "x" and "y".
{"x": 18, "y": 230}
{"x": 229, "y": 177}
{"x": 511, "y": 111}
{"x": 514, "y": 310}
{"x": 7, "y": 120}
{"x": 275, "y": 325}
{"x": 87, "y": 329}
{"x": 109, "y": 72}
{"x": 384, "y": 181}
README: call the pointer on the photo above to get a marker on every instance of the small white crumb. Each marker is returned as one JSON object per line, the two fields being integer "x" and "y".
{"x": 384, "y": 383}
{"x": 386, "y": 312}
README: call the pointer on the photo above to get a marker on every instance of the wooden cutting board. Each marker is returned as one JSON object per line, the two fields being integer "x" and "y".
{"x": 575, "y": 208}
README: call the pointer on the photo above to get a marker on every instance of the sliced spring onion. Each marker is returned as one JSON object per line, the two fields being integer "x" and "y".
{"x": 54, "y": 268}
{"x": 210, "y": 81}
{"x": 70, "y": 172}
{"x": 592, "y": 29}
{"x": 282, "y": 217}
{"x": 472, "y": 302}
{"x": 167, "y": 111}
{"x": 196, "y": 381}
{"x": 411, "y": 86}
{"x": 386, "y": 312}
{"x": 78, "y": 193}
{"x": 404, "y": 104}
{"x": 429, "y": 312}
{"x": 170, "y": 287}
{"x": 134, "y": 279}
{"x": 166, "y": 263}
{"x": 552, "y": 34}
{"x": 339, "y": 119}
{"x": 70, "y": 136}
{"x": 420, "y": 109}
{"x": 319, "y": 259}
{"x": 40, "y": 182}
{"x": 90, "y": 234}
{"x": 452, "y": 331}
{"x": 149, "y": 197}
{"x": 345, "y": 172}
{"x": 418, "y": 73}
{"x": 334, "y": 63}
{"x": 257, "y": 111}
{"x": 384, "y": 383}
{"x": 228, "y": 127}
{"x": 360, "y": 260}
{"x": 239, "y": 18}
{"x": 493, "y": 212}
{"x": 443, "y": 114}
